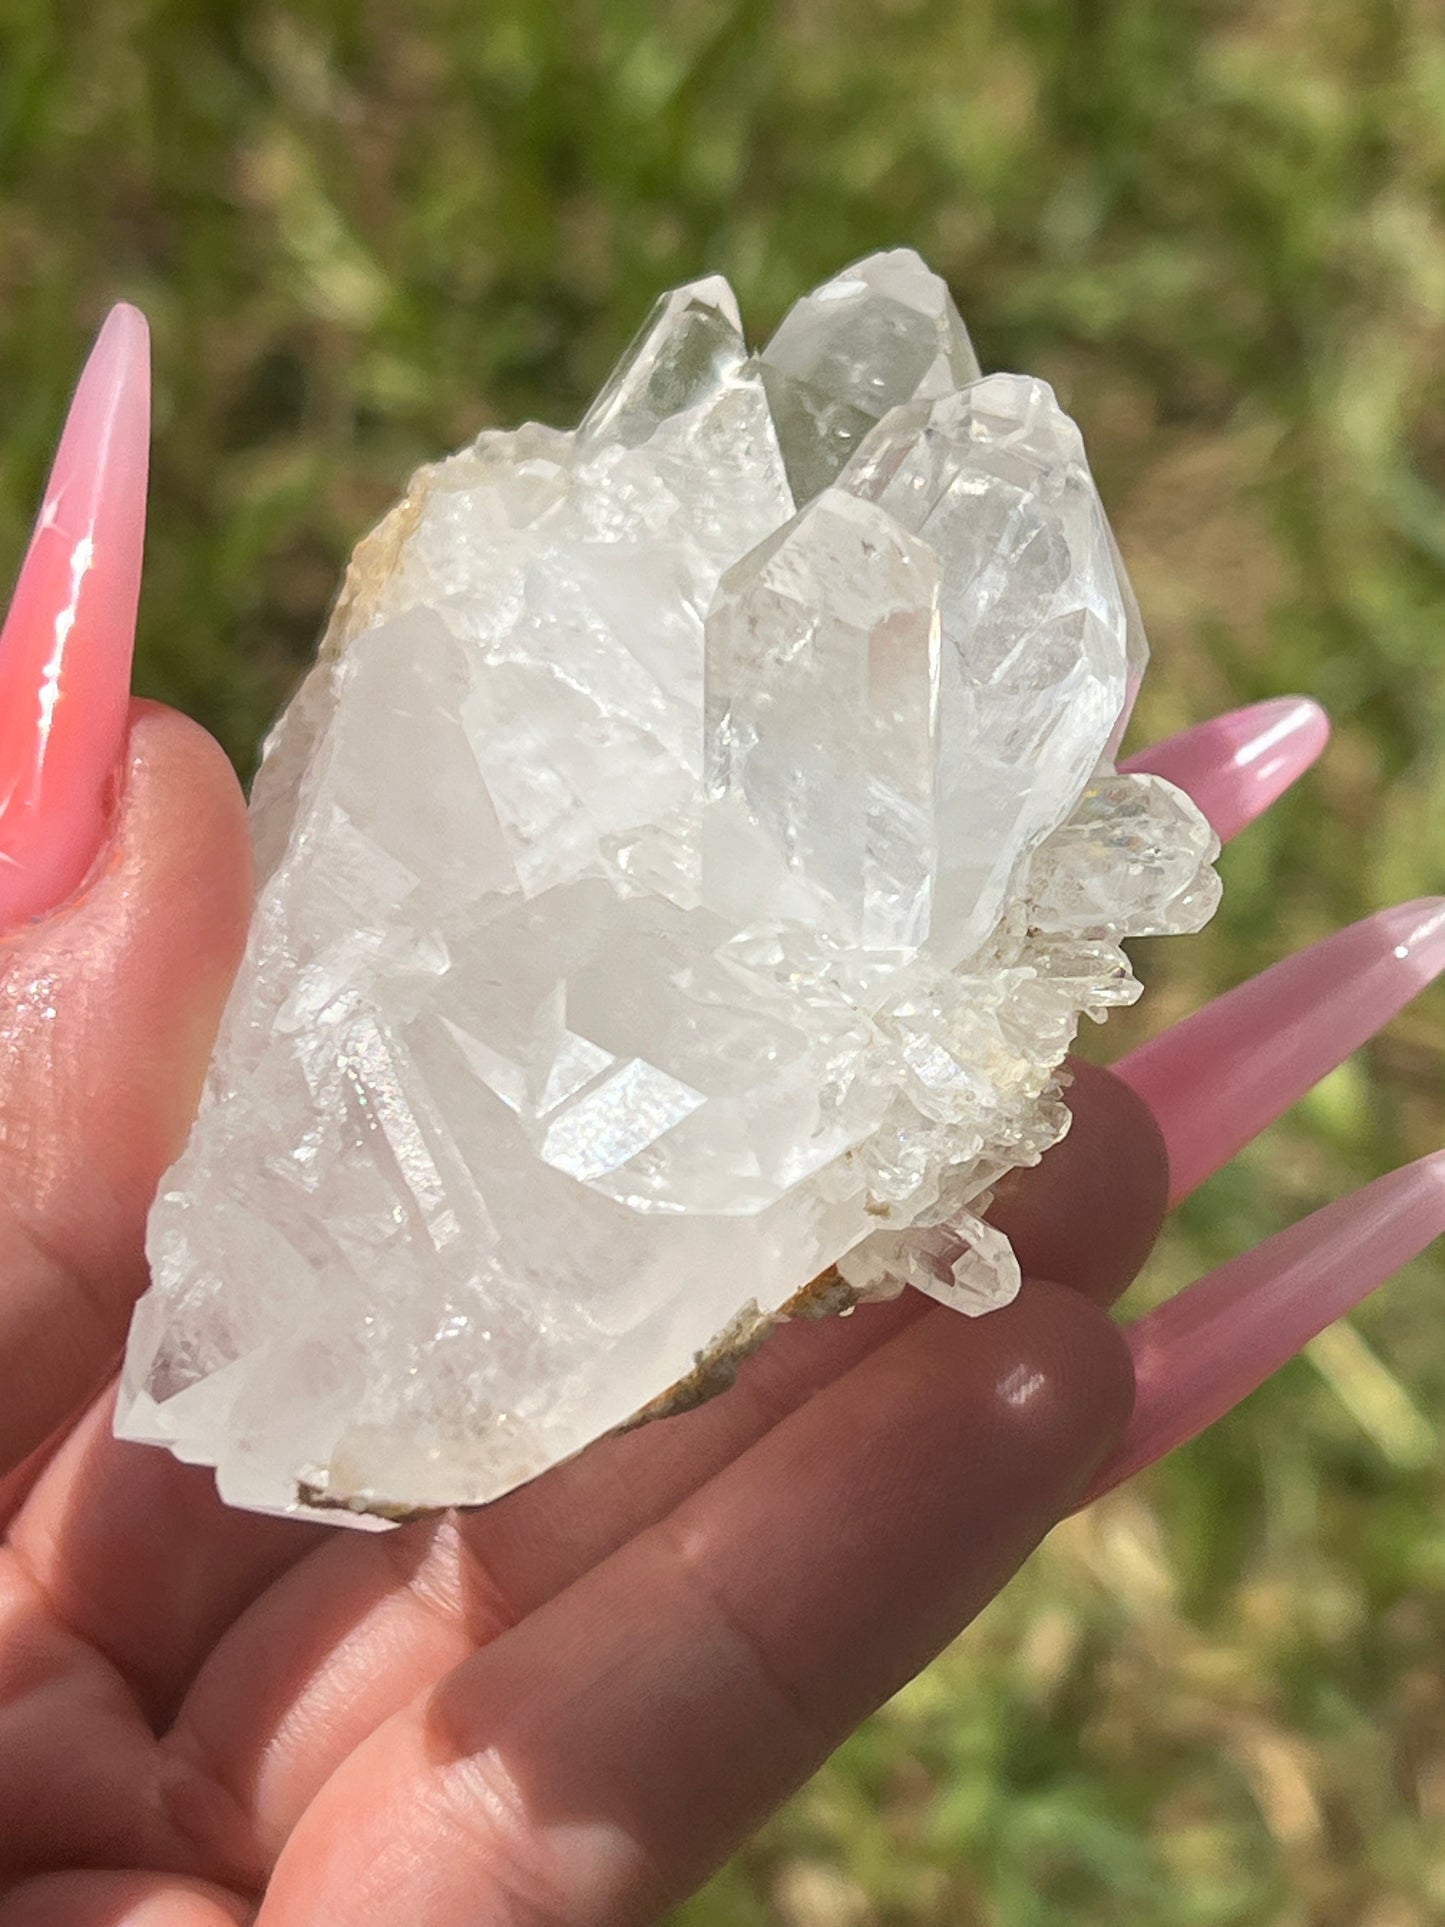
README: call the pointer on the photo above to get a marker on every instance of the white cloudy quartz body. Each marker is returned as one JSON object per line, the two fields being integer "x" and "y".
{"x": 682, "y": 873}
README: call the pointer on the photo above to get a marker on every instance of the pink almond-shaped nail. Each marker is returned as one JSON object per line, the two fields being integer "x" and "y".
{"x": 1215, "y": 1080}
{"x": 1198, "y": 1355}
{"x": 1236, "y": 765}
{"x": 65, "y": 651}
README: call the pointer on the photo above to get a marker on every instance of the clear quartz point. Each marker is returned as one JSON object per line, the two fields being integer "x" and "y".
{"x": 964, "y": 1263}
{"x": 1134, "y": 859}
{"x": 822, "y": 721}
{"x": 689, "y": 347}
{"x": 1037, "y": 618}
{"x": 1136, "y": 648}
{"x": 882, "y": 332}
{"x": 683, "y": 873}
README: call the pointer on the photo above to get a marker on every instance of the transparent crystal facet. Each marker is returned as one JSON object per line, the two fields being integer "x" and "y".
{"x": 690, "y": 345}
{"x": 669, "y": 893}
{"x": 1035, "y": 619}
{"x": 883, "y": 332}
{"x": 822, "y": 726}
{"x": 1135, "y": 859}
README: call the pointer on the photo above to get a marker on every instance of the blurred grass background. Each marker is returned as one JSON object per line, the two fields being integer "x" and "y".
{"x": 364, "y": 231}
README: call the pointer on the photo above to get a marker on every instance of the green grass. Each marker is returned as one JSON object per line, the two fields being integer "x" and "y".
{"x": 362, "y": 231}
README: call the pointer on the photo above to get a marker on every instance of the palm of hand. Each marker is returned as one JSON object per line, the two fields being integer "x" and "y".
{"x": 567, "y": 1707}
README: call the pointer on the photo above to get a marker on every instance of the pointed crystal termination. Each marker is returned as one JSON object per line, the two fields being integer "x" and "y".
{"x": 965, "y": 1263}
{"x": 1135, "y": 859}
{"x": 822, "y": 728}
{"x": 882, "y": 332}
{"x": 1136, "y": 648}
{"x": 668, "y": 893}
{"x": 1036, "y": 624}
{"x": 689, "y": 346}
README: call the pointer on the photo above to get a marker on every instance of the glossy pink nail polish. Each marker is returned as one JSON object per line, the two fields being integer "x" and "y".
{"x": 1196, "y": 1357}
{"x": 65, "y": 651}
{"x": 1235, "y": 766}
{"x": 1218, "y": 1078}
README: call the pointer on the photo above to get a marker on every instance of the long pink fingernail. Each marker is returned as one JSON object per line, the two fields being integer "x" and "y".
{"x": 1218, "y": 1078}
{"x": 1235, "y": 766}
{"x": 65, "y": 651}
{"x": 1198, "y": 1355}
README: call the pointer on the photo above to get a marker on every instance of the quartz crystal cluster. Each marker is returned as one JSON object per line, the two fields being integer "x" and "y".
{"x": 682, "y": 875}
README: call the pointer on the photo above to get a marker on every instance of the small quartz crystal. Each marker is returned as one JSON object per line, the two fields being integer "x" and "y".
{"x": 682, "y": 875}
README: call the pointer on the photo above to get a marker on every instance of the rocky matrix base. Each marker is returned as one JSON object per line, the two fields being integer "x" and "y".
{"x": 683, "y": 874}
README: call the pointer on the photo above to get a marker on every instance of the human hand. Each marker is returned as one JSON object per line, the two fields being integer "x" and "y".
{"x": 571, "y": 1705}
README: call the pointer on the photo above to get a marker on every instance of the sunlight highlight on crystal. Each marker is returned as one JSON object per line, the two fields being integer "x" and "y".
{"x": 683, "y": 873}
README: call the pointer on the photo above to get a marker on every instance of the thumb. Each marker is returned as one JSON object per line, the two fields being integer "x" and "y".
{"x": 108, "y": 1010}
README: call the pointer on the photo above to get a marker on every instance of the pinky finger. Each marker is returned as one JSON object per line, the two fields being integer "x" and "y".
{"x": 1197, "y": 1356}
{"x": 121, "y": 1900}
